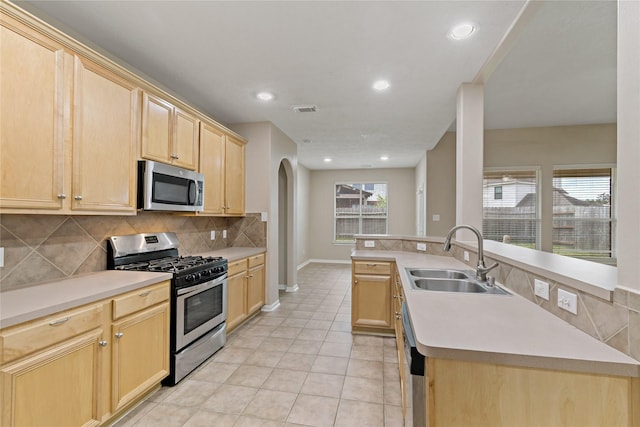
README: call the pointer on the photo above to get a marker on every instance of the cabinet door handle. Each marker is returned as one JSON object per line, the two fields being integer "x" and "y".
{"x": 355, "y": 282}
{"x": 175, "y": 156}
{"x": 59, "y": 321}
{"x": 62, "y": 196}
{"x": 103, "y": 343}
{"x": 119, "y": 334}
{"x": 144, "y": 294}
{"x": 371, "y": 265}
{"x": 78, "y": 197}
{"x": 398, "y": 315}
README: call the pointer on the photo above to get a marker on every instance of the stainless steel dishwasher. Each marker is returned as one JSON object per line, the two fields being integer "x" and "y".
{"x": 415, "y": 360}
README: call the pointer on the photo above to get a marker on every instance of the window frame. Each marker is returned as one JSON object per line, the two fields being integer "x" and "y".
{"x": 335, "y": 217}
{"x": 613, "y": 219}
{"x": 524, "y": 168}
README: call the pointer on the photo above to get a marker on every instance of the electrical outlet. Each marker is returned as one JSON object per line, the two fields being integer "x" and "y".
{"x": 369, "y": 244}
{"x": 224, "y": 234}
{"x": 213, "y": 234}
{"x": 568, "y": 301}
{"x": 466, "y": 255}
{"x": 421, "y": 246}
{"x": 541, "y": 289}
{"x": 263, "y": 216}
{"x": 1, "y": 257}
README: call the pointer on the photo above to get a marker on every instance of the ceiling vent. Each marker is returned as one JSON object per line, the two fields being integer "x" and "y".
{"x": 305, "y": 108}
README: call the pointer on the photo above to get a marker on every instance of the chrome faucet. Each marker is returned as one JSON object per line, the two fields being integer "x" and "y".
{"x": 481, "y": 269}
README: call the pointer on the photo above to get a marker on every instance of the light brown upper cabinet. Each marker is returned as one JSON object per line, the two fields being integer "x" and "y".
{"x": 222, "y": 162}
{"x": 69, "y": 129}
{"x": 34, "y": 82}
{"x": 106, "y": 129}
{"x": 169, "y": 134}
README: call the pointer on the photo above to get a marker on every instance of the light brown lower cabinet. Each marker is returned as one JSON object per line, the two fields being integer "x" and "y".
{"x": 245, "y": 289}
{"x": 371, "y": 302}
{"x": 84, "y": 367}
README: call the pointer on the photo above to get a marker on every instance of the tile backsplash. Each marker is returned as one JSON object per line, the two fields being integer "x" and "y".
{"x": 616, "y": 323}
{"x": 48, "y": 247}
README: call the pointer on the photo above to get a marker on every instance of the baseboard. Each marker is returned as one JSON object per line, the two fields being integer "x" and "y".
{"x": 282, "y": 287}
{"x": 293, "y": 288}
{"x": 304, "y": 264}
{"x": 271, "y": 307}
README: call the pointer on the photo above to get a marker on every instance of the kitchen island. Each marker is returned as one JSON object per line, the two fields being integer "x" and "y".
{"x": 501, "y": 360}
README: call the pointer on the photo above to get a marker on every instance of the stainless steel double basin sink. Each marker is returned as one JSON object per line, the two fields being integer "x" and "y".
{"x": 464, "y": 281}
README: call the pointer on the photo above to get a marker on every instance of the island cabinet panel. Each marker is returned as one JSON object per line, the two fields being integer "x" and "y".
{"x": 106, "y": 137}
{"x": 371, "y": 301}
{"x": 34, "y": 89}
{"x": 480, "y": 394}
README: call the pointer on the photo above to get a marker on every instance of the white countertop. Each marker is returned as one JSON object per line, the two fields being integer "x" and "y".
{"x": 232, "y": 254}
{"x": 22, "y": 305}
{"x": 500, "y": 329}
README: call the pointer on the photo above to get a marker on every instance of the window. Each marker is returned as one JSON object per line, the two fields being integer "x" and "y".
{"x": 510, "y": 207}
{"x": 497, "y": 192}
{"x": 360, "y": 209}
{"x": 583, "y": 220}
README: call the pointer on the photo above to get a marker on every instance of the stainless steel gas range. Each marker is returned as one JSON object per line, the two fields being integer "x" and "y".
{"x": 198, "y": 295}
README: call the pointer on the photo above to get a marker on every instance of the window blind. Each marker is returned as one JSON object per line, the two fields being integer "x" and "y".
{"x": 511, "y": 207}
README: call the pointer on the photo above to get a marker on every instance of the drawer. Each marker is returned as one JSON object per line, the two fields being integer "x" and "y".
{"x": 140, "y": 299}
{"x": 256, "y": 260}
{"x": 371, "y": 267}
{"x": 21, "y": 340}
{"x": 237, "y": 266}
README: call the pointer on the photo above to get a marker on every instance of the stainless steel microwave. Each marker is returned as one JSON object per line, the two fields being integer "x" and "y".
{"x": 163, "y": 187}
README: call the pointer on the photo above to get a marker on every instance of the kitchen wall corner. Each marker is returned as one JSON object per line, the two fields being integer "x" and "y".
{"x": 41, "y": 248}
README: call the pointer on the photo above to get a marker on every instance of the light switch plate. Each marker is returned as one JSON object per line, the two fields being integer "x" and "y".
{"x": 541, "y": 289}
{"x": 213, "y": 234}
{"x": 1, "y": 257}
{"x": 435, "y": 218}
{"x": 263, "y": 216}
{"x": 568, "y": 301}
{"x": 369, "y": 244}
{"x": 224, "y": 234}
{"x": 421, "y": 246}
{"x": 466, "y": 255}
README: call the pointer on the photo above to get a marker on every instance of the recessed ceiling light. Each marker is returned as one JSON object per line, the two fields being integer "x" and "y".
{"x": 381, "y": 85}
{"x": 384, "y": 157}
{"x": 327, "y": 159}
{"x": 264, "y": 96}
{"x": 462, "y": 31}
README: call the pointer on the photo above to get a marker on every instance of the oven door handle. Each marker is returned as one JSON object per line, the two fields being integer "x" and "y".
{"x": 202, "y": 286}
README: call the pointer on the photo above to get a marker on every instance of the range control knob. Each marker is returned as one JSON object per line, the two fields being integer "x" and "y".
{"x": 189, "y": 278}
{"x": 206, "y": 273}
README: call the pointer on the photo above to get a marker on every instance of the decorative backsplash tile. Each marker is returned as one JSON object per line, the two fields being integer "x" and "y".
{"x": 48, "y": 247}
{"x": 615, "y": 323}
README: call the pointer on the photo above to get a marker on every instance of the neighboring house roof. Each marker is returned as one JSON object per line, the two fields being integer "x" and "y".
{"x": 558, "y": 193}
{"x": 347, "y": 189}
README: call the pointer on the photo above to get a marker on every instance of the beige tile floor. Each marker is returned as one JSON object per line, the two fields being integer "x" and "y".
{"x": 296, "y": 366}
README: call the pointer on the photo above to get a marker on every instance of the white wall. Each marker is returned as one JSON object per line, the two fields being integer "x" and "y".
{"x": 257, "y": 169}
{"x": 401, "y": 188}
{"x": 303, "y": 194}
{"x": 268, "y": 146}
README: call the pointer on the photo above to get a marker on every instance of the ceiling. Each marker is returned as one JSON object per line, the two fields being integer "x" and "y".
{"x": 217, "y": 55}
